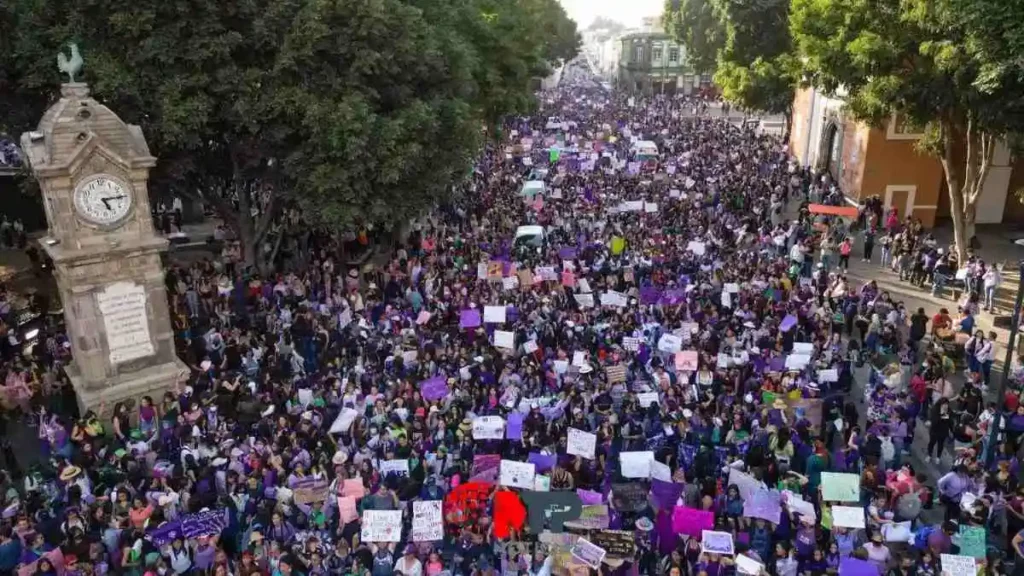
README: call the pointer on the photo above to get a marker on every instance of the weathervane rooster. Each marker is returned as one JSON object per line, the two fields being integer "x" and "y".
{"x": 70, "y": 67}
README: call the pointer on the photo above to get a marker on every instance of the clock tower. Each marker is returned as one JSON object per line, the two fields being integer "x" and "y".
{"x": 93, "y": 170}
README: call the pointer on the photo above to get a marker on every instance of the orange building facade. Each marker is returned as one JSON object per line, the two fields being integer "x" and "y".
{"x": 868, "y": 161}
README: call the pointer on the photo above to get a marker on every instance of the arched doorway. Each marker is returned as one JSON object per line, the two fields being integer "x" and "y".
{"x": 830, "y": 153}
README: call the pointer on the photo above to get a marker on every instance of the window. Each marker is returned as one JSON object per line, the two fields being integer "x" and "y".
{"x": 656, "y": 54}
{"x": 639, "y": 54}
{"x": 903, "y": 128}
{"x": 673, "y": 55}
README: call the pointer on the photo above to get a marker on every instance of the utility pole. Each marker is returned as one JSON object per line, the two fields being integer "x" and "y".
{"x": 1007, "y": 364}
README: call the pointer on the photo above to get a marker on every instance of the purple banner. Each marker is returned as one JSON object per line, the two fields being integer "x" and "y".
{"x": 469, "y": 318}
{"x": 664, "y": 494}
{"x": 542, "y": 463}
{"x": 649, "y": 295}
{"x": 672, "y": 298}
{"x": 486, "y": 467}
{"x": 787, "y": 323}
{"x": 567, "y": 253}
{"x": 854, "y": 567}
{"x": 589, "y": 497}
{"x": 206, "y": 523}
{"x": 514, "y": 426}
{"x": 434, "y": 388}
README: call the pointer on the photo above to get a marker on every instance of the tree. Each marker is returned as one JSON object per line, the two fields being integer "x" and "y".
{"x": 697, "y": 26}
{"x": 747, "y": 44}
{"x": 934, "y": 63}
{"x": 356, "y": 113}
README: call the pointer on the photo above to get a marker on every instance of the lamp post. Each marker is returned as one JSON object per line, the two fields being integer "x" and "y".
{"x": 1007, "y": 363}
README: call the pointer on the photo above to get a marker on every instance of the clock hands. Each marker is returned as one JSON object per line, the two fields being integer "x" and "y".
{"x": 106, "y": 201}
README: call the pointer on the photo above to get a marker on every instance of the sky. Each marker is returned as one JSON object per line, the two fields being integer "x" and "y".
{"x": 628, "y": 12}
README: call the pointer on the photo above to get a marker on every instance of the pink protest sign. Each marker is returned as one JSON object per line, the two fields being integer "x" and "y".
{"x": 687, "y": 360}
{"x": 691, "y": 521}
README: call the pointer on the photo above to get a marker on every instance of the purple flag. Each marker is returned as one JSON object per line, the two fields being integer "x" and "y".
{"x": 589, "y": 497}
{"x": 649, "y": 295}
{"x": 206, "y": 523}
{"x": 434, "y": 388}
{"x": 542, "y": 463}
{"x": 469, "y": 318}
{"x": 788, "y": 322}
{"x": 664, "y": 494}
{"x": 777, "y": 364}
{"x": 854, "y": 567}
{"x": 514, "y": 426}
{"x": 165, "y": 533}
{"x": 567, "y": 253}
{"x": 672, "y": 297}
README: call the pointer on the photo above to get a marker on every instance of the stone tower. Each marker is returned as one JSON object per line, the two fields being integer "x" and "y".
{"x": 93, "y": 169}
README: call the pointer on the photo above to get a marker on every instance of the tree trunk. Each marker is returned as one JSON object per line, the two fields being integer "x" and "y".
{"x": 788, "y": 117}
{"x": 952, "y": 143}
{"x": 966, "y": 160}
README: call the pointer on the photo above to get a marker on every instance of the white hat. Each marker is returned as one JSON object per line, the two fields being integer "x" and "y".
{"x": 220, "y": 461}
{"x": 586, "y": 369}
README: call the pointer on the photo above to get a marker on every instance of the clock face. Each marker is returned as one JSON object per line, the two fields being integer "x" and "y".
{"x": 102, "y": 199}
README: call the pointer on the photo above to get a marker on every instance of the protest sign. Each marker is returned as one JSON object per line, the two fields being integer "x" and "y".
{"x": 514, "y": 426}
{"x": 593, "y": 516}
{"x": 661, "y": 471}
{"x": 747, "y": 565}
{"x": 353, "y": 487}
{"x": 309, "y": 492}
{"x": 764, "y": 504}
{"x": 381, "y": 526}
{"x": 631, "y": 344}
{"x": 696, "y": 247}
{"x": 670, "y": 343}
{"x": 617, "y": 543}
{"x": 347, "y": 509}
{"x": 494, "y": 314}
{"x": 427, "y": 523}
{"x": 900, "y": 532}
{"x": 469, "y": 318}
{"x": 636, "y": 464}
{"x": 631, "y": 497}
{"x": 485, "y": 467}
{"x": 584, "y": 300}
{"x": 488, "y": 428}
{"x": 399, "y": 467}
{"x": 614, "y": 299}
{"x": 344, "y": 421}
{"x": 848, "y": 517}
{"x": 588, "y": 553}
{"x": 830, "y": 375}
{"x": 505, "y": 339}
{"x": 716, "y": 542}
{"x": 434, "y": 388}
{"x": 516, "y": 474}
{"x": 840, "y": 487}
{"x": 615, "y": 373}
{"x": 581, "y": 443}
{"x": 959, "y": 565}
{"x": 645, "y": 399}
{"x": 973, "y": 541}
{"x": 747, "y": 484}
{"x": 691, "y": 521}
{"x": 687, "y": 360}
{"x": 541, "y": 483}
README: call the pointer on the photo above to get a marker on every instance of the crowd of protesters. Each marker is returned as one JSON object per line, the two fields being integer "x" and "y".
{"x": 682, "y": 308}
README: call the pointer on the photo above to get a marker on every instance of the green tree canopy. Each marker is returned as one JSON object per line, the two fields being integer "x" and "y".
{"x": 935, "y": 62}
{"x": 354, "y": 112}
{"x": 747, "y": 44}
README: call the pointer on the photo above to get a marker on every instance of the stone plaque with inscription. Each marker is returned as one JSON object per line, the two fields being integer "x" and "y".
{"x": 123, "y": 306}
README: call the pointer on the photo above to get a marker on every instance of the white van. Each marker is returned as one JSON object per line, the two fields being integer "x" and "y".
{"x": 529, "y": 236}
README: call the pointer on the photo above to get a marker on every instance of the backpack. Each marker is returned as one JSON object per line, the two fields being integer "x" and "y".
{"x": 921, "y": 537}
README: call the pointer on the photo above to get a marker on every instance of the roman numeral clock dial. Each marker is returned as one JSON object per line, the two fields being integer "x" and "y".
{"x": 102, "y": 199}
